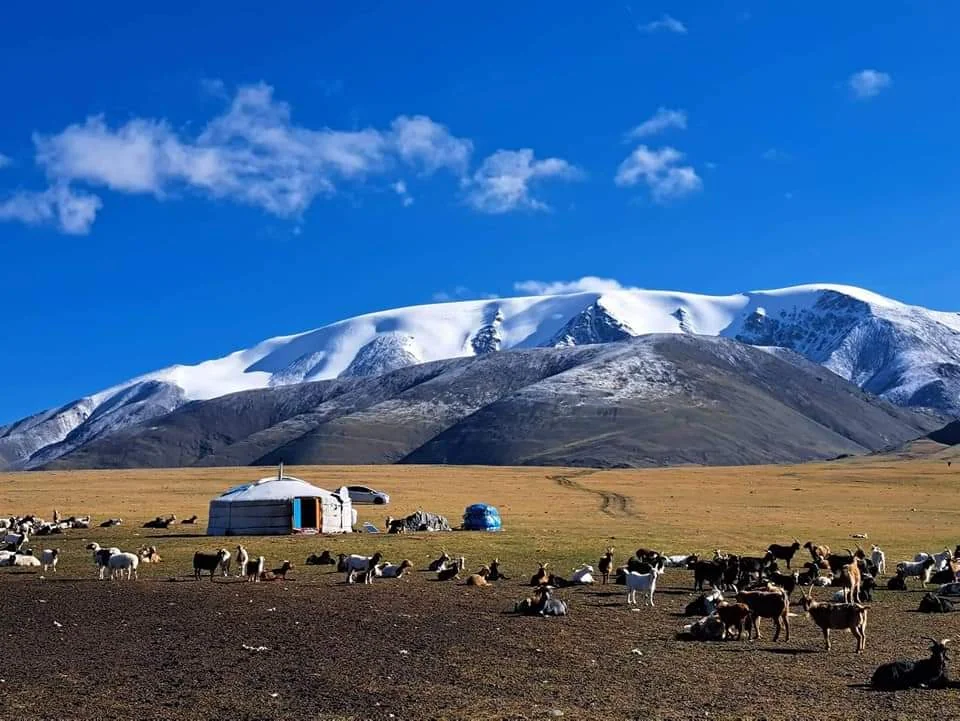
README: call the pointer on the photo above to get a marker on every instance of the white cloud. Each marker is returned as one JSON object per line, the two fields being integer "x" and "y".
{"x": 400, "y": 188}
{"x": 503, "y": 181}
{"x": 421, "y": 141}
{"x": 663, "y": 119}
{"x": 775, "y": 154}
{"x": 667, "y": 23}
{"x": 5, "y": 161}
{"x": 589, "y": 283}
{"x": 70, "y": 211}
{"x": 659, "y": 170}
{"x": 868, "y": 83}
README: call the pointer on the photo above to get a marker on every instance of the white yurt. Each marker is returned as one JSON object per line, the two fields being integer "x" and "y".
{"x": 279, "y": 505}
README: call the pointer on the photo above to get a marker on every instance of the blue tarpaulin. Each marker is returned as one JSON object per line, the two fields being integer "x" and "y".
{"x": 481, "y": 517}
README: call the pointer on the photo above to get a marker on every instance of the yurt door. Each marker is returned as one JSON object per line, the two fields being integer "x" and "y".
{"x": 296, "y": 522}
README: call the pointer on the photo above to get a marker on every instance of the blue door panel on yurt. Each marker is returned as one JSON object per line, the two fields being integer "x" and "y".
{"x": 297, "y": 514}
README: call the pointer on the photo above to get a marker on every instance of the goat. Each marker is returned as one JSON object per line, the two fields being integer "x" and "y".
{"x": 710, "y": 571}
{"x": 479, "y": 578}
{"x": 818, "y": 553}
{"x": 281, "y": 573}
{"x": 783, "y": 553}
{"x": 395, "y": 525}
{"x": 676, "y": 561}
{"x": 787, "y": 581}
{"x": 839, "y": 616}
{"x": 582, "y": 575}
{"x": 22, "y": 560}
{"x": 946, "y": 575}
{"x": 836, "y": 561}
{"x": 495, "y": 573}
{"x": 451, "y": 571}
{"x": 101, "y": 557}
{"x": 949, "y": 589}
{"x": 254, "y": 569}
{"x": 733, "y": 615}
{"x": 324, "y": 559}
{"x": 439, "y": 563}
{"x": 541, "y": 577}
{"x": 49, "y": 558}
{"x": 898, "y": 582}
{"x": 750, "y": 566}
{"x": 704, "y": 604}
{"x": 850, "y": 581}
{"x": 767, "y": 604}
{"x": 394, "y": 570}
{"x": 925, "y": 673}
{"x": 542, "y": 604}
{"x": 240, "y": 558}
{"x": 362, "y": 563}
{"x": 111, "y": 522}
{"x": 148, "y": 554}
{"x": 211, "y": 562}
{"x": 942, "y": 559}
{"x": 190, "y": 521}
{"x": 645, "y": 583}
{"x": 709, "y": 628}
{"x": 120, "y": 562}
{"x": 161, "y": 522}
{"x": 921, "y": 569}
{"x": 605, "y": 565}
{"x": 879, "y": 559}
{"x": 931, "y": 603}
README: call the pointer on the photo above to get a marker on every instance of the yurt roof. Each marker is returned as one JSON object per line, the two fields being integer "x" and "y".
{"x": 273, "y": 489}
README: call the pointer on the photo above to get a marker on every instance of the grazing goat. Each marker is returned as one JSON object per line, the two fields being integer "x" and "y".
{"x": 582, "y": 575}
{"x": 479, "y": 578}
{"x": 254, "y": 569}
{"x": 704, "y": 604}
{"x": 324, "y": 559}
{"x": 931, "y": 603}
{"x": 120, "y": 562}
{"x": 733, "y": 615}
{"x": 541, "y": 577}
{"x": 438, "y": 563}
{"x": 837, "y": 616}
{"x": 898, "y": 582}
{"x": 394, "y": 570}
{"x": 817, "y": 553}
{"x": 495, "y": 573}
{"x": 925, "y": 673}
{"x": 783, "y": 553}
{"x": 645, "y": 583}
{"x": 211, "y": 562}
{"x": 918, "y": 569}
{"x": 879, "y": 559}
{"x": 49, "y": 558}
{"x": 767, "y": 604}
{"x": 605, "y": 565}
{"x": 241, "y": 558}
{"x": 451, "y": 571}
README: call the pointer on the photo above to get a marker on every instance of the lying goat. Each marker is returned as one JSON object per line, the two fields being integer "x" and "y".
{"x": 324, "y": 559}
{"x": 925, "y": 673}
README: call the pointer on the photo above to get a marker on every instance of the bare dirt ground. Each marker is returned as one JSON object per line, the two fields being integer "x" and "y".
{"x": 167, "y": 647}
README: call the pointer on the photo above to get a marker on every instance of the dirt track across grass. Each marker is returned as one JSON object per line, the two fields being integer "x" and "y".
{"x": 420, "y": 649}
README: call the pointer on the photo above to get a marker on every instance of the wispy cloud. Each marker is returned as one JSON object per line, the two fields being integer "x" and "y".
{"x": 661, "y": 171}
{"x": 5, "y": 161}
{"x": 461, "y": 292}
{"x": 400, "y": 188}
{"x": 587, "y": 284}
{"x": 868, "y": 83}
{"x": 775, "y": 154}
{"x": 504, "y": 180}
{"x": 59, "y": 206}
{"x": 663, "y": 119}
{"x": 666, "y": 22}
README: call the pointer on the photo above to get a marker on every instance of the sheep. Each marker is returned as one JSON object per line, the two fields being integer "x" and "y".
{"x": 879, "y": 559}
{"x": 394, "y": 570}
{"x": 451, "y": 571}
{"x": 541, "y": 577}
{"x": 324, "y": 559}
{"x": 606, "y": 565}
{"x": 479, "y": 578}
{"x": 495, "y": 573}
{"x": 22, "y": 560}
{"x": 211, "y": 562}
{"x": 931, "y": 603}
{"x": 49, "y": 558}
{"x": 767, "y": 604}
{"x": 733, "y": 615}
{"x": 818, "y": 553}
{"x": 704, "y": 604}
{"x": 709, "y": 628}
{"x": 850, "y": 580}
{"x": 101, "y": 557}
{"x": 254, "y": 569}
{"x": 783, "y": 553}
{"x": 120, "y": 562}
{"x": 837, "y": 615}
{"x": 582, "y": 575}
{"x": 241, "y": 558}
{"x": 898, "y": 582}
{"x": 921, "y": 569}
{"x": 438, "y": 563}
{"x": 643, "y": 582}
{"x": 925, "y": 673}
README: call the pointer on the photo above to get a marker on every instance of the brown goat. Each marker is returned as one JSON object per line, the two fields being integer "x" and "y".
{"x": 541, "y": 577}
{"x": 850, "y": 580}
{"x": 838, "y": 615}
{"x": 606, "y": 565}
{"x": 767, "y": 604}
{"x": 818, "y": 553}
{"x": 479, "y": 578}
{"x": 733, "y": 615}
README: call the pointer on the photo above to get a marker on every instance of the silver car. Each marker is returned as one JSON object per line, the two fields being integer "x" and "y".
{"x": 362, "y": 494}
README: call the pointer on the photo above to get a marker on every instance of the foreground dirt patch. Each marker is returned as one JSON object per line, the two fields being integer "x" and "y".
{"x": 78, "y": 649}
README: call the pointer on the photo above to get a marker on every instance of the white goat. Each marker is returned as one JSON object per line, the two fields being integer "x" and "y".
{"x": 241, "y": 557}
{"x": 942, "y": 559}
{"x": 101, "y": 556}
{"x": 361, "y": 563}
{"x": 582, "y": 575}
{"x": 879, "y": 559}
{"x": 49, "y": 558}
{"x": 120, "y": 562}
{"x": 645, "y": 583}
{"x": 919, "y": 569}
{"x": 676, "y": 561}
{"x": 23, "y": 561}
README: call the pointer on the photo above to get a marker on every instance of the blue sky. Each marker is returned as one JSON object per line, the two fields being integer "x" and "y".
{"x": 180, "y": 184}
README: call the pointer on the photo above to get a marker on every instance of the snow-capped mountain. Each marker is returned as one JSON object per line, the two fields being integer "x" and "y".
{"x": 906, "y": 354}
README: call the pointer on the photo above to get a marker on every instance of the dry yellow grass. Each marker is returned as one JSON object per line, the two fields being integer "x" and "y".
{"x": 561, "y": 515}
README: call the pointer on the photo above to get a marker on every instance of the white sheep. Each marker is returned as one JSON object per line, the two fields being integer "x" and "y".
{"x": 582, "y": 575}
{"x": 101, "y": 556}
{"x": 23, "y": 561}
{"x": 241, "y": 558}
{"x": 644, "y": 582}
{"x": 120, "y": 562}
{"x": 49, "y": 558}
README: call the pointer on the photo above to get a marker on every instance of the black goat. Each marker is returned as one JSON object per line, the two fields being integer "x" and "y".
{"x": 931, "y": 603}
{"x": 703, "y": 605}
{"x": 710, "y": 571}
{"x": 898, "y": 582}
{"x": 925, "y": 673}
{"x": 787, "y": 581}
{"x": 783, "y": 553}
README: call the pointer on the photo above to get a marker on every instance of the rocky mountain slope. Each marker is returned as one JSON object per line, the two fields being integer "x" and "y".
{"x": 905, "y": 354}
{"x": 655, "y": 400}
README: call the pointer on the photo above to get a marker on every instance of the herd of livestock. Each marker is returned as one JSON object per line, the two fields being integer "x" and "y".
{"x": 757, "y": 587}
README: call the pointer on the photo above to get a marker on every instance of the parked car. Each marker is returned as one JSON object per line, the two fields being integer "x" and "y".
{"x": 362, "y": 494}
